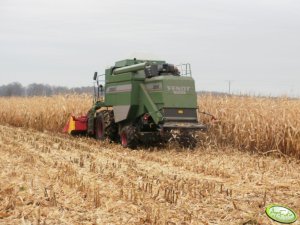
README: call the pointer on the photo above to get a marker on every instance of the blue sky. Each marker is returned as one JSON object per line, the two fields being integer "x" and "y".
{"x": 255, "y": 44}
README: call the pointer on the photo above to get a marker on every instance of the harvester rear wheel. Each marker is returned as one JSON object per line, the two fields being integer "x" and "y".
{"x": 128, "y": 137}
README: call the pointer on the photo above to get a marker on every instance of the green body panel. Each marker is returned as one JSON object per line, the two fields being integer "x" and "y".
{"x": 142, "y": 95}
{"x": 176, "y": 92}
{"x": 148, "y": 105}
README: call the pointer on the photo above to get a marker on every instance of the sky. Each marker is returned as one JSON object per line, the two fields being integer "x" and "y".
{"x": 252, "y": 44}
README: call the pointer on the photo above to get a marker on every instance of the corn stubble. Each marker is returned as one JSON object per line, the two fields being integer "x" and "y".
{"x": 49, "y": 178}
{"x": 52, "y": 178}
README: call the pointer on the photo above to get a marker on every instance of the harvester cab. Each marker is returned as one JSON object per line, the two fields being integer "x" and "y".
{"x": 143, "y": 101}
{"x": 99, "y": 83}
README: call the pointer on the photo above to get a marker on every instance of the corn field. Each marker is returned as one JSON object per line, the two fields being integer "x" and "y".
{"x": 42, "y": 113}
{"x": 248, "y": 123}
{"x": 255, "y": 123}
{"x": 47, "y": 177}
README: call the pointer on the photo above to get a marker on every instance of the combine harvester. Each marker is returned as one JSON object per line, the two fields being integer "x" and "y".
{"x": 142, "y": 101}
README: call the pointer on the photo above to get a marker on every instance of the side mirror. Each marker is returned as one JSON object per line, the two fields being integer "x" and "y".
{"x": 95, "y": 76}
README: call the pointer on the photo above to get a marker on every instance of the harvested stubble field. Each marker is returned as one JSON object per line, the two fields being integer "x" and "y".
{"x": 50, "y": 178}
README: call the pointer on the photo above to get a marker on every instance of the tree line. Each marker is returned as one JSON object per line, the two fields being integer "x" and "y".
{"x": 34, "y": 89}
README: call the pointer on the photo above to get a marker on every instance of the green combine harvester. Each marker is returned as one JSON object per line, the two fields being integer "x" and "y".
{"x": 142, "y": 102}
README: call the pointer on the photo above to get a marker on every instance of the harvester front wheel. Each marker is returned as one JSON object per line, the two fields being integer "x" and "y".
{"x": 111, "y": 128}
{"x": 128, "y": 137}
{"x": 99, "y": 127}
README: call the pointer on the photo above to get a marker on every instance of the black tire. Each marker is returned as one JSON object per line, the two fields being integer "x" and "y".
{"x": 111, "y": 128}
{"x": 99, "y": 127}
{"x": 128, "y": 137}
{"x": 105, "y": 126}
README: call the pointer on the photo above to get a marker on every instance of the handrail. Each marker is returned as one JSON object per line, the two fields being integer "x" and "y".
{"x": 185, "y": 69}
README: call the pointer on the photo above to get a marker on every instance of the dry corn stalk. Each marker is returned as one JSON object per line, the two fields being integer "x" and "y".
{"x": 255, "y": 123}
{"x": 248, "y": 123}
